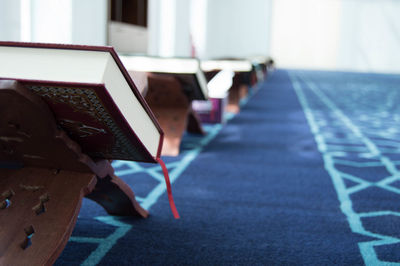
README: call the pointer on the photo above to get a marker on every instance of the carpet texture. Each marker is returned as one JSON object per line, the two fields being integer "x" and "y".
{"x": 306, "y": 174}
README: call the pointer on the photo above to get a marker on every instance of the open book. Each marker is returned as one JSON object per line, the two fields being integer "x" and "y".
{"x": 187, "y": 70}
{"x": 91, "y": 95}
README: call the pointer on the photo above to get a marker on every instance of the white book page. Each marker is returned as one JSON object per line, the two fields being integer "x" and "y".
{"x": 130, "y": 107}
{"x": 52, "y": 64}
{"x": 159, "y": 64}
{"x": 201, "y": 79}
{"x": 220, "y": 84}
{"x": 234, "y": 65}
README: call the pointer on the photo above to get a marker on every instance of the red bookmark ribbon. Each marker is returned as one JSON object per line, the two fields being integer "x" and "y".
{"x": 169, "y": 190}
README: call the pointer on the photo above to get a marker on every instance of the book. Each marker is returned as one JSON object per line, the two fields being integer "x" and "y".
{"x": 242, "y": 79}
{"x": 235, "y": 65}
{"x": 186, "y": 70}
{"x": 258, "y": 59}
{"x": 212, "y": 110}
{"x": 91, "y": 95}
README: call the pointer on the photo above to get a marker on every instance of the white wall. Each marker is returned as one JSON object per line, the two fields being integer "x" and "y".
{"x": 198, "y": 26}
{"x": 10, "y": 23}
{"x": 370, "y": 36}
{"x": 169, "y": 27}
{"x": 61, "y": 21}
{"x": 355, "y": 35}
{"x": 233, "y": 28}
{"x": 70, "y": 21}
{"x": 153, "y": 26}
{"x": 361, "y": 35}
{"x": 223, "y": 28}
{"x": 51, "y": 21}
{"x": 89, "y": 22}
{"x": 305, "y": 33}
{"x": 182, "y": 33}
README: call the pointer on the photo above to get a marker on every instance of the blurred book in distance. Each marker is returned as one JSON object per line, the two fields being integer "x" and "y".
{"x": 186, "y": 70}
{"x": 212, "y": 110}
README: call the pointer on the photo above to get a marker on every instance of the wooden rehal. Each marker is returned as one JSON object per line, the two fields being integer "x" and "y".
{"x": 43, "y": 177}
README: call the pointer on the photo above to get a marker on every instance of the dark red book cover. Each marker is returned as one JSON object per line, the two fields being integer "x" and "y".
{"x": 89, "y": 115}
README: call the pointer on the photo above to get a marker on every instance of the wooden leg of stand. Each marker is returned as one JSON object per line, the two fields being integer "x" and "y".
{"x": 39, "y": 208}
{"x": 116, "y": 197}
{"x": 194, "y": 123}
{"x": 173, "y": 121}
{"x": 170, "y": 105}
{"x": 243, "y": 91}
{"x": 233, "y": 100}
{"x": 238, "y": 90}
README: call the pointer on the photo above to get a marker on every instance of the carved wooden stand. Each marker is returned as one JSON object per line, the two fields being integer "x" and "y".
{"x": 43, "y": 178}
{"x": 238, "y": 91}
{"x": 172, "y": 108}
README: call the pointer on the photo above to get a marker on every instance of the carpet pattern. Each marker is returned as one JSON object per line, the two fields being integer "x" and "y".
{"x": 355, "y": 122}
{"x": 305, "y": 174}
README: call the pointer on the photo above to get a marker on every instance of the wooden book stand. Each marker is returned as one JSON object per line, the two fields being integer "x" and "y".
{"x": 238, "y": 91}
{"x": 43, "y": 178}
{"x": 172, "y": 108}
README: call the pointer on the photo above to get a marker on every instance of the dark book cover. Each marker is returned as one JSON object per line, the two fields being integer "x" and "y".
{"x": 89, "y": 115}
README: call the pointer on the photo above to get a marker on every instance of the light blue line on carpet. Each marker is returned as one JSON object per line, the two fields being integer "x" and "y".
{"x": 372, "y": 151}
{"x": 175, "y": 170}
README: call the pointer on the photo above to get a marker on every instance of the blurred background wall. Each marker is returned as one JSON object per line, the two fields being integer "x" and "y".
{"x": 232, "y": 28}
{"x": 355, "y": 35}
{"x": 361, "y": 35}
{"x": 58, "y": 21}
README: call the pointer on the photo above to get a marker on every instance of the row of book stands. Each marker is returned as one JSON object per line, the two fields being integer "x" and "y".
{"x": 183, "y": 93}
{"x": 67, "y": 111}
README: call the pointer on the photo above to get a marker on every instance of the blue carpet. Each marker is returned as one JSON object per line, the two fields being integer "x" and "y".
{"x": 306, "y": 174}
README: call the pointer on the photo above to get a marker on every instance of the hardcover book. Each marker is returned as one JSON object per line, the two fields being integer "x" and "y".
{"x": 241, "y": 82}
{"x": 212, "y": 110}
{"x": 236, "y": 65}
{"x": 186, "y": 70}
{"x": 91, "y": 95}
